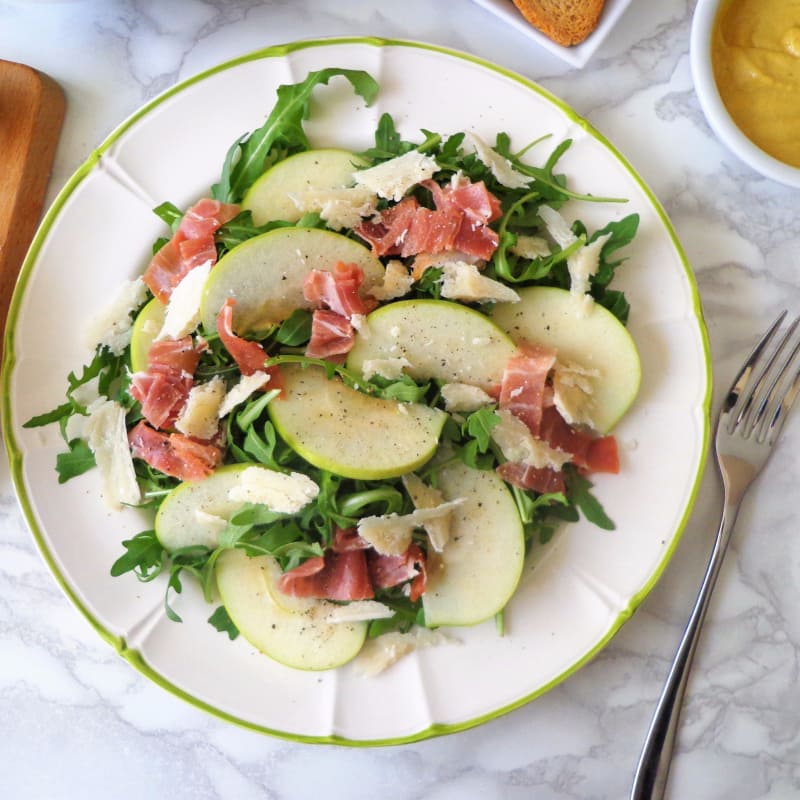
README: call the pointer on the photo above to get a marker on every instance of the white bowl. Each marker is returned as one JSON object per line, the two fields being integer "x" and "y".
{"x": 717, "y": 115}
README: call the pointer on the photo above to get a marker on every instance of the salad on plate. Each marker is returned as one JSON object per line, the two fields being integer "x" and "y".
{"x": 354, "y": 390}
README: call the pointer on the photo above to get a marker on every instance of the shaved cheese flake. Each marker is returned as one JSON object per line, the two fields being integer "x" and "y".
{"x": 107, "y": 437}
{"x": 462, "y": 281}
{"x": 241, "y": 391}
{"x": 582, "y": 266}
{"x": 393, "y": 178}
{"x": 200, "y": 416}
{"x": 389, "y": 368}
{"x": 391, "y": 534}
{"x": 112, "y": 327}
{"x": 530, "y": 247}
{"x": 557, "y": 227}
{"x": 424, "y": 496}
{"x": 283, "y": 493}
{"x": 397, "y": 281}
{"x": 340, "y": 208}
{"x": 572, "y": 392}
{"x": 464, "y": 397}
{"x": 517, "y": 444}
{"x": 211, "y": 522}
{"x": 183, "y": 310}
{"x": 354, "y": 611}
{"x": 380, "y": 653}
{"x": 500, "y": 167}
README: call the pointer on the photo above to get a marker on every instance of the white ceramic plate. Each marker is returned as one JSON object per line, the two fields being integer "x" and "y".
{"x": 584, "y": 585}
{"x": 579, "y": 54}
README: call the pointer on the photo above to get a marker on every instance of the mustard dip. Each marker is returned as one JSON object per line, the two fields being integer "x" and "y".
{"x": 755, "y": 54}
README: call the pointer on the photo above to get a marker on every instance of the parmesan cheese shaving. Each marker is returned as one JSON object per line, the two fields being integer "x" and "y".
{"x": 283, "y": 493}
{"x": 107, "y": 437}
{"x": 199, "y": 418}
{"x": 424, "y": 496}
{"x": 391, "y": 534}
{"x": 530, "y": 247}
{"x": 182, "y": 315}
{"x": 393, "y": 178}
{"x": 463, "y": 281}
{"x": 380, "y": 653}
{"x": 573, "y": 387}
{"x": 389, "y": 368}
{"x": 464, "y": 397}
{"x": 517, "y": 444}
{"x": 340, "y": 208}
{"x": 241, "y": 391}
{"x": 500, "y": 167}
{"x": 112, "y": 327}
{"x": 354, "y": 611}
{"x": 397, "y": 281}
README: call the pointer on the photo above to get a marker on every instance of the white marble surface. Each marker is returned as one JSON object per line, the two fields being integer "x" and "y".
{"x": 78, "y": 722}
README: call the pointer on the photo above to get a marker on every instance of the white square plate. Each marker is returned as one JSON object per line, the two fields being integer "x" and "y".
{"x": 578, "y": 55}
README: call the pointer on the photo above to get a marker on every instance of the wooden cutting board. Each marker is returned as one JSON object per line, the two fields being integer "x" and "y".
{"x": 31, "y": 113}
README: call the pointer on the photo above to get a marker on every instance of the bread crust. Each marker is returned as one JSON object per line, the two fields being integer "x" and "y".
{"x": 566, "y": 22}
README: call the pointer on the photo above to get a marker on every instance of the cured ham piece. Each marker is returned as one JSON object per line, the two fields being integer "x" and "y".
{"x": 338, "y": 290}
{"x": 345, "y": 539}
{"x": 191, "y": 245}
{"x": 538, "y": 479}
{"x": 523, "y": 386}
{"x": 162, "y": 390}
{"x": 331, "y": 335}
{"x": 248, "y": 355}
{"x": 387, "y": 571}
{"x": 173, "y": 453}
{"x": 336, "y": 576}
{"x": 460, "y": 222}
{"x": 603, "y": 455}
{"x": 557, "y": 432}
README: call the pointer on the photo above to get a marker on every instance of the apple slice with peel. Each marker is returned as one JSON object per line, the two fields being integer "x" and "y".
{"x": 441, "y": 340}
{"x": 265, "y": 275}
{"x": 297, "y": 638}
{"x": 351, "y": 433}
{"x": 269, "y": 198}
{"x": 194, "y": 512}
{"x": 479, "y": 569}
{"x": 596, "y": 340}
{"x": 146, "y": 327}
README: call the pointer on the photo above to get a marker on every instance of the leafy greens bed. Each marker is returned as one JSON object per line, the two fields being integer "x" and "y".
{"x": 249, "y": 435}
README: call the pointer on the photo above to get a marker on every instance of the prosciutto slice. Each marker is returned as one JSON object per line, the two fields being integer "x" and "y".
{"x": 248, "y": 355}
{"x": 173, "y": 453}
{"x": 523, "y": 389}
{"x": 338, "y": 290}
{"x": 460, "y": 222}
{"x": 163, "y": 389}
{"x": 336, "y": 576}
{"x": 191, "y": 245}
{"x": 388, "y": 571}
{"x": 538, "y": 479}
{"x": 331, "y": 335}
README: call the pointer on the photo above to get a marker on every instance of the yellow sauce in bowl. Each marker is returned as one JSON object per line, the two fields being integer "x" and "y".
{"x": 755, "y": 53}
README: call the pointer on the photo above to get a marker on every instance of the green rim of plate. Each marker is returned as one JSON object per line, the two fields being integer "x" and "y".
{"x": 15, "y": 456}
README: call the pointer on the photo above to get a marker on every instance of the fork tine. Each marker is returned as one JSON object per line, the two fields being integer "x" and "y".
{"x": 773, "y": 399}
{"x": 734, "y": 397}
{"x": 783, "y": 408}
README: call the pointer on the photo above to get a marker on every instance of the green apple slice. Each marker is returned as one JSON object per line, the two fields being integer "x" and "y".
{"x": 480, "y": 567}
{"x": 269, "y": 197}
{"x": 441, "y": 340}
{"x": 299, "y": 639}
{"x": 339, "y": 429}
{"x": 265, "y": 275}
{"x": 596, "y": 340}
{"x": 146, "y": 327}
{"x": 193, "y": 513}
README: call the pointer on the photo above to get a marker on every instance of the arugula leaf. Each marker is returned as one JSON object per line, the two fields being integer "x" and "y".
{"x": 479, "y": 426}
{"x": 169, "y": 213}
{"x": 56, "y": 415}
{"x": 296, "y": 329}
{"x": 578, "y": 491}
{"x": 222, "y": 622}
{"x": 388, "y": 143}
{"x": 77, "y": 460}
{"x": 283, "y": 129}
{"x": 144, "y": 556}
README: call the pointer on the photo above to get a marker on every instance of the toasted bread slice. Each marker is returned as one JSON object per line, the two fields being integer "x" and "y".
{"x": 566, "y": 22}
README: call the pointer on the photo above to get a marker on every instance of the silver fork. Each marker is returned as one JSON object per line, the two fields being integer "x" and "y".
{"x": 750, "y": 422}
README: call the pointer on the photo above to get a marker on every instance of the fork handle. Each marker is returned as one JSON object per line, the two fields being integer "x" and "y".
{"x": 650, "y": 780}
